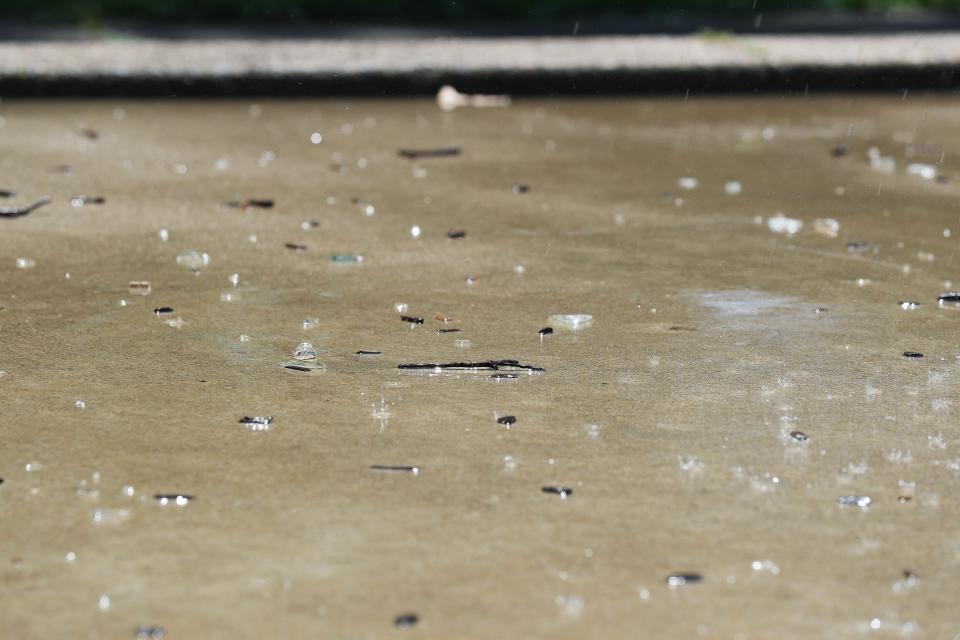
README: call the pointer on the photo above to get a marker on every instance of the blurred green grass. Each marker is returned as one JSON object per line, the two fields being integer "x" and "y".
{"x": 94, "y": 11}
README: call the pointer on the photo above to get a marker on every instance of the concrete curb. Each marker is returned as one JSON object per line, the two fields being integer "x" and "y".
{"x": 523, "y": 65}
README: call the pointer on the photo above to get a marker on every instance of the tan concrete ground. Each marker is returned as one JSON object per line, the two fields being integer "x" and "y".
{"x": 669, "y": 418}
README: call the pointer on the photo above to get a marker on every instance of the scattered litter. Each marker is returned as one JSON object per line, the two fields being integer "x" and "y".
{"x": 563, "y": 492}
{"x": 306, "y": 225}
{"x": 295, "y": 247}
{"x": 456, "y": 234}
{"x": 949, "y": 300}
{"x": 854, "y": 501}
{"x": 732, "y": 188}
{"x": 546, "y": 331}
{"x": 504, "y": 376}
{"x": 912, "y": 354}
{"x": 826, "y": 227}
{"x": 471, "y": 280}
{"x": 450, "y": 330}
{"x": 688, "y": 183}
{"x": 193, "y": 260}
{"x": 302, "y": 365}
{"x": 139, "y": 287}
{"x": 519, "y": 188}
{"x": 858, "y": 246}
{"x": 346, "y": 258}
{"x": 363, "y": 353}
{"x": 6, "y": 193}
{"x": 82, "y": 201}
{"x": 573, "y": 321}
{"x": 442, "y": 318}
{"x": 412, "y": 319}
{"x": 310, "y": 323}
{"x": 304, "y": 351}
{"x": 675, "y": 580}
{"x": 16, "y": 212}
{"x": 799, "y": 436}
{"x": 257, "y": 423}
{"x": 25, "y": 263}
{"x": 390, "y": 467}
{"x": 441, "y": 152}
{"x": 406, "y": 620}
{"x": 160, "y": 311}
{"x": 908, "y": 305}
{"x": 248, "y": 204}
{"x": 782, "y": 224}
{"x": 506, "y": 419}
{"x": 839, "y": 151}
{"x": 487, "y": 365}
{"x": 178, "y": 499}
{"x": 448, "y": 99}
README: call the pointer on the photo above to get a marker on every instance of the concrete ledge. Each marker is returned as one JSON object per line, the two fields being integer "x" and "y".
{"x": 525, "y": 65}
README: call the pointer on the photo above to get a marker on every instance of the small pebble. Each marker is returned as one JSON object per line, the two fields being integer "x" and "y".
{"x": 675, "y": 580}
{"x": 305, "y": 351}
{"x": 176, "y": 498}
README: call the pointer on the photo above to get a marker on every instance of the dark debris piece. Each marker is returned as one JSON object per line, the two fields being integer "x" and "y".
{"x": 5, "y": 193}
{"x": 912, "y": 354}
{"x": 296, "y": 367}
{"x": 520, "y": 188}
{"x": 406, "y": 620}
{"x": 89, "y": 134}
{"x": 451, "y": 330}
{"x": 364, "y": 352}
{"x": 839, "y": 151}
{"x": 506, "y": 419}
{"x": 162, "y": 311}
{"x": 799, "y": 436}
{"x": 295, "y": 247}
{"x": 680, "y": 579}
{"x": 441, "y": 152}
{"x": 412, "y": 319}
{"x": 82, "y": 201}
{"x": 490, "y": 365}
{"x": 16, "y": 212}
{"x": 252, "y": 203}
{"x": 256, "y": 420}
{"x": 949, "y": 298}
{"x": 395, "y": 467}
{"x": 456, "y": 234}
{"x": 904, "y": 499}
{"x": 857, "y": 246}
{"x": 546, "y": 331}
{"x": 146, "y": 632}
{"x": 1, "y": 480}
{"x": 563, "y": 492}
